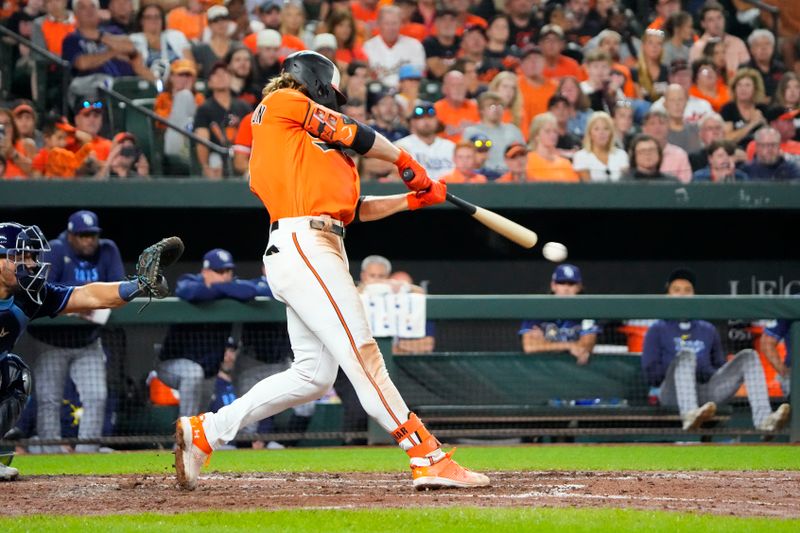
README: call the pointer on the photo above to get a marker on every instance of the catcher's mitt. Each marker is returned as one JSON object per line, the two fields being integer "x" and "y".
{"x": 152, "y": 262}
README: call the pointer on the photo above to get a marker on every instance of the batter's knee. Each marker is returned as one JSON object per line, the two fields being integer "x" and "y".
{"x": 318, "y": 377}
{"x": 747, "y": 353}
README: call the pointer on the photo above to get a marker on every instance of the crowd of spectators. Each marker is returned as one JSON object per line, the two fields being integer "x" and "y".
{"x": 566, "y": 89}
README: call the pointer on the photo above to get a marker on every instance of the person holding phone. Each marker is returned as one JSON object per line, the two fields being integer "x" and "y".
{"x": 125, "y": 160}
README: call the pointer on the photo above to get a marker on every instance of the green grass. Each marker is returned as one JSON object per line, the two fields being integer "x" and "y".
{"x": 390, "y": 459}
{"x": 461, "y": 519}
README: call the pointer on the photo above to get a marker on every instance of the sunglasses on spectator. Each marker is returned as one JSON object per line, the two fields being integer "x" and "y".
{"x": 423, "y": 110}
{"x": 625, "y": 103}
{"x": 480, "y": 143}
{"x": 86, "y": 104}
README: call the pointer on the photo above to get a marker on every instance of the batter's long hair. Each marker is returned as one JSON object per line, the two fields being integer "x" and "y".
{"x": 284, "y": 81}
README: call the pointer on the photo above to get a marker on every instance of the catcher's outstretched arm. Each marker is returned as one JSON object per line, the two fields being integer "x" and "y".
{"x": 149, "y": 280}
{"x": 95, "y": 296}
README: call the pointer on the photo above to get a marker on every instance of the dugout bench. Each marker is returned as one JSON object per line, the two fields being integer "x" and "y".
{"x": 493, "y": 395}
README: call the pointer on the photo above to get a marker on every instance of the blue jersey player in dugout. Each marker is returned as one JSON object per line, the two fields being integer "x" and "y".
{"x": 25, "y": 295}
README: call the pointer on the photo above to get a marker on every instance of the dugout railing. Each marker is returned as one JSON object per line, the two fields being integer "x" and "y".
{"x": 416, "y": 376}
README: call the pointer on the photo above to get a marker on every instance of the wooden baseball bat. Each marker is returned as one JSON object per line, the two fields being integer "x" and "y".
{"x": 499, "y": 224}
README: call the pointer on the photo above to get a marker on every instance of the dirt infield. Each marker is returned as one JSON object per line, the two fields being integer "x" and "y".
{"x": 772, "y": 494}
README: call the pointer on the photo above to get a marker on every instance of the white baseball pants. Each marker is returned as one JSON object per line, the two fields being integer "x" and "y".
{"x": 328, "y": 329}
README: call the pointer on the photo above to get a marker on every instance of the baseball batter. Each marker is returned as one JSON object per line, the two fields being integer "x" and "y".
{"x": 311, "y": 188}
{"x": 25, "y": 295}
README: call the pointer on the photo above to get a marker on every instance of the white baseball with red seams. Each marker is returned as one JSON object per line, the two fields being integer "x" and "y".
{"x": 554, "y": 251}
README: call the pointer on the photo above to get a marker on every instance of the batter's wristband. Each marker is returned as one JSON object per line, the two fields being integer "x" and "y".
{"x": 128, "y": 290}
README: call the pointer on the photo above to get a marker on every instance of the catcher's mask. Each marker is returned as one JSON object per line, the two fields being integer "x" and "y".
{"x": 319, "y": 75}
{"x": 22, "y": 247}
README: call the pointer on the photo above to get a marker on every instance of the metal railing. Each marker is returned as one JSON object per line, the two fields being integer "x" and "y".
{"x": 50, "y": 58}
{"x": 773, "y": 10}
{"x": 124, "y": 101}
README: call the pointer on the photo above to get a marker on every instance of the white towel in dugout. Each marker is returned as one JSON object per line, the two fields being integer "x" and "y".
{"x": 394, "y": 314}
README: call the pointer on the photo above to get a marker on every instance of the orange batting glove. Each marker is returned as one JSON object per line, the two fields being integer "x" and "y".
{"x": 436, "y": 194}
{"x": 414, "y": 176}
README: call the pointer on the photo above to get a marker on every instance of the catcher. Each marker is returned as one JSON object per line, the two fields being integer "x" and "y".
{"x": 25, "y": 295}
{"x": 310, "y": 187}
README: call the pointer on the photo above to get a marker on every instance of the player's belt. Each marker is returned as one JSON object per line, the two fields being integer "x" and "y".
{"x": 317, "y": 224}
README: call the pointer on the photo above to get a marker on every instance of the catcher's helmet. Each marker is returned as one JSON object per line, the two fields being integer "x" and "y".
{"x": 23, "y": 246}
{"x": 319, "y": 75}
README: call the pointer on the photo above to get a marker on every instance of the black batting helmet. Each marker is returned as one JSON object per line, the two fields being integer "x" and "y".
{"x": 319, "y": 75}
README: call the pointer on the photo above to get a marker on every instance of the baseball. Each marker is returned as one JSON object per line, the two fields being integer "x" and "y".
{"x": 554, "y": 251}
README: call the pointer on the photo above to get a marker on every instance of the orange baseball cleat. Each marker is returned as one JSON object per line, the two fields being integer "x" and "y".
{"x": 445, "y": 473}
{"x": 192, "y": 451}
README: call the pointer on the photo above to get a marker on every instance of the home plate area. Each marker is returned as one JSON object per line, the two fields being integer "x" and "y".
{"x": 768, "y": 494}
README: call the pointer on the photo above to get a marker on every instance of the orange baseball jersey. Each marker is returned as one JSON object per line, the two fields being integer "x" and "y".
{"x": 297, "y": 166}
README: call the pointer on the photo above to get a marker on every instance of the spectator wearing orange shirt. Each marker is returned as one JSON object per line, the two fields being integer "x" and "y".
{"x": 366, "y": 12}
{"x": 54, "y": 160}
{"x": 551, "y": 42}
{"x": 343, "y": 26}
{"x": 464, "y": 18}
{"x": 610, "y": 41}
{"x": 189, "y": 20}
{"x": 516, "y": 158}
{"x": 88, "y": 123}
{"x": 50, "y": 29}
{"x": 535, "y": 89}
{"x": 16, "y": 151}
{"x": 506, "y": 85}
{"x": 455, "y": 111}
{"x": 664, "y": 8}
{"x": 409, "y": 28}
{"x": 708, "y": 85}
{"x": 545, "y": 163}
{"x": 269, "y": 14}
{"x": 465, "y": 161}
{"x": 178, "y": 103}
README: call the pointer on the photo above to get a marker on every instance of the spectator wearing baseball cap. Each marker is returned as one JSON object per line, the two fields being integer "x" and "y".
{"x": 482, "y": 144}
{"x": 556, "y": 65}
{"x": 434, "y": 153}
{"x": 89, "y": 114}
{"x": 389, "y": 50}
{"x": 25, "y": 120}
{"x": 126, "y": 159}
{"x": 194, "y": 352}
{"x": 218, "y": 119}
{"x": 267, "y": 58}
{"x": 491, "y": 110}
{"x": 516, "y": 158}
{"x": 464, "y": 158}
{"x": 325, "y": 44}
{"x": 408, "y": 88}
{"x": 782, "y": 120}
{"x": 54, "y": 160}
{"x": 577, "y": 337}
{"x": 219, "y": 43}
{"x": 190, "y": 20}
{"x": 386, "y": 114}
